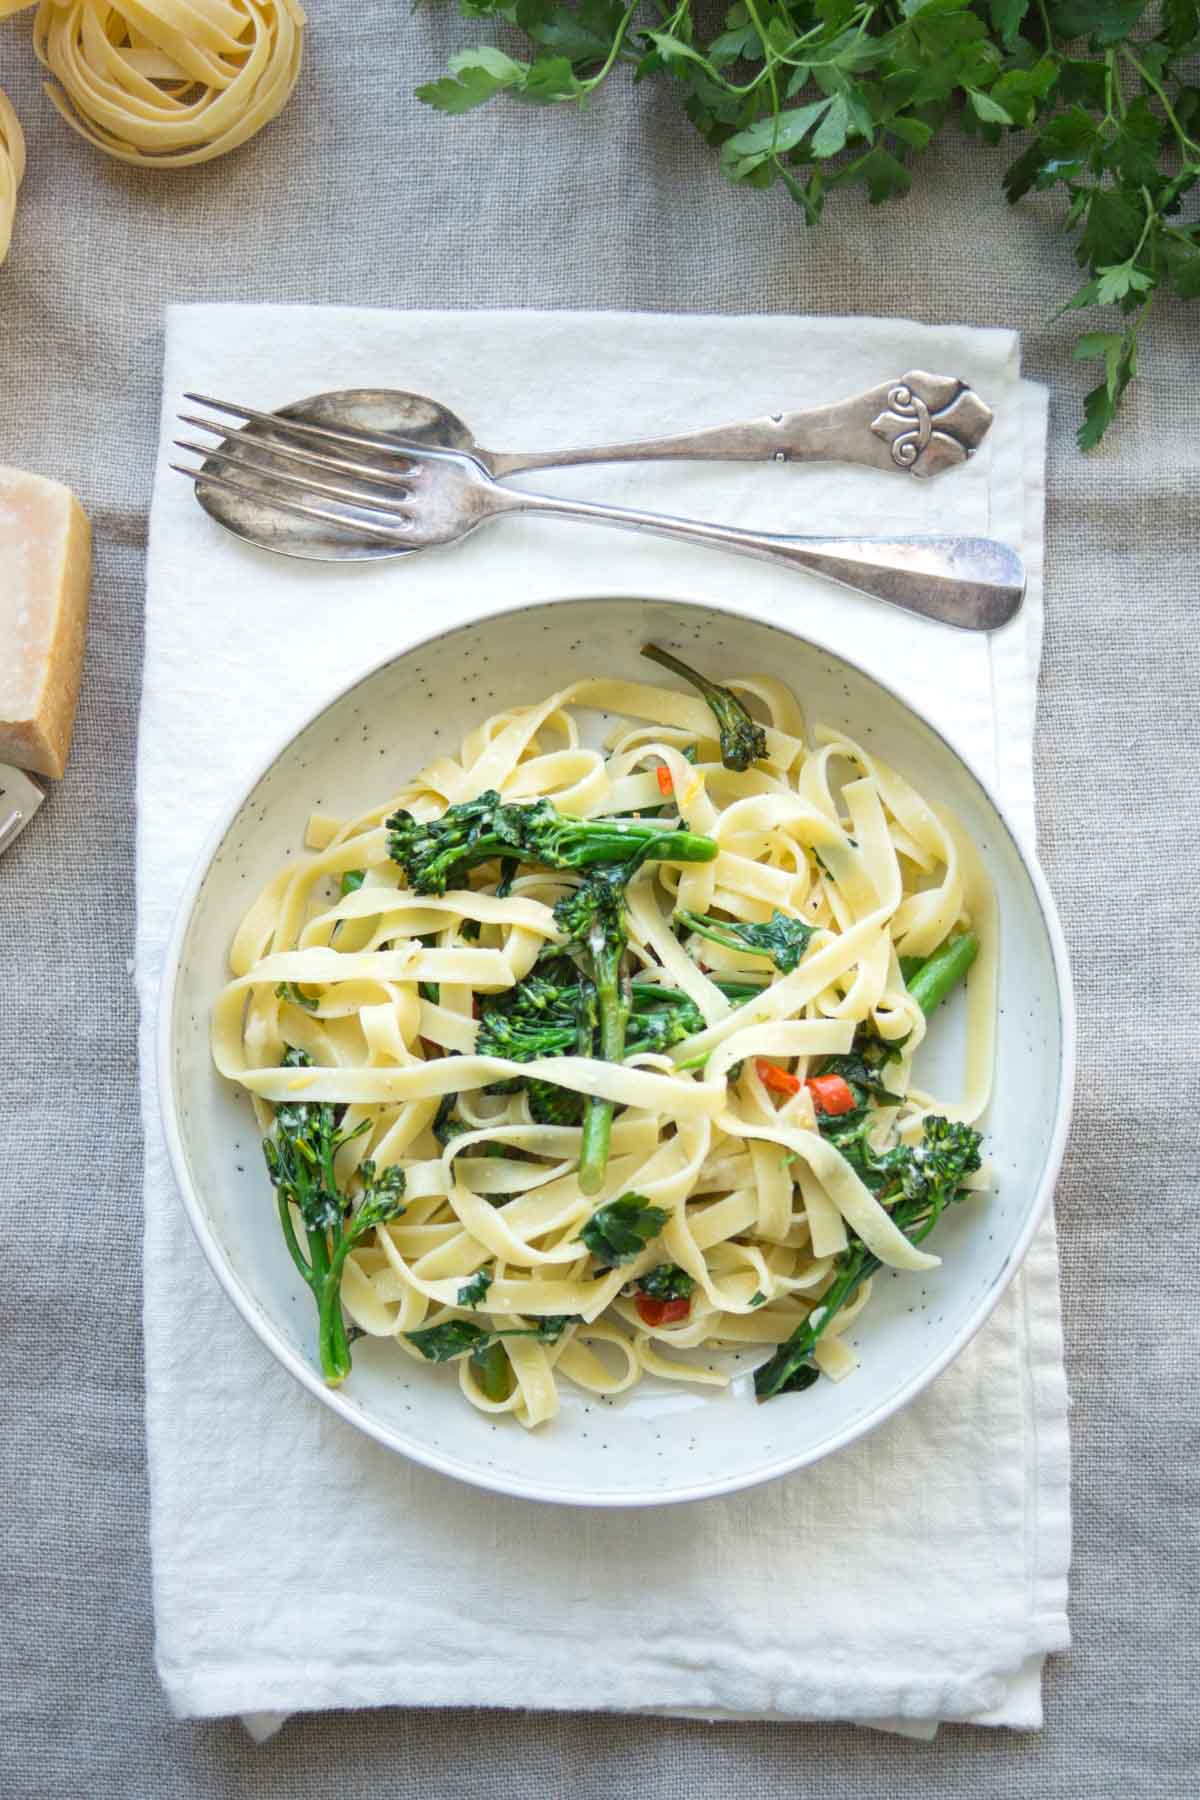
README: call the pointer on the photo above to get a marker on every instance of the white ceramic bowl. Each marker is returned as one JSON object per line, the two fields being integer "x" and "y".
{"x": 662, "y": 1442}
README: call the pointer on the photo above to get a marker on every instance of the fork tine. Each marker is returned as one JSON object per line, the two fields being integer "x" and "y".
{"x": 321, "y": 490}
{"x": 364, "y": 440}
{"x": 343, "y": 464}
{"x": 229, "y": 485}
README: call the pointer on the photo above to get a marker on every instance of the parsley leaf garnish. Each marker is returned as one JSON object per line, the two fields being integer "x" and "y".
{"x": 619, "y": 1232}
{"x": 474, "y": 1292}
{"x": 460, "y": 1337}
{"x": 781, "y": 937}
{"x": 441, "y": 1343}
{"x": 816, "y": 95}
{"x": 667, "y": 1282}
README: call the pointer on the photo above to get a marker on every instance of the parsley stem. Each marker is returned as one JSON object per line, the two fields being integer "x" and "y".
{"x": 594, "y": 81}
{"x": 769, "y": 59}
{"x": 798, "y": 192}
{"x": 1111, "y": 90}
{"x": 1187, "y": 146}
{"x": 1151, "y": 214}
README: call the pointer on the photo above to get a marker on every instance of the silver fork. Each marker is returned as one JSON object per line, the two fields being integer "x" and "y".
{"x": 353, "y": 504}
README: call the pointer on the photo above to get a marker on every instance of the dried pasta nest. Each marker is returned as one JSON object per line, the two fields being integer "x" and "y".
{"x": 12, "y": 167}
{"x": 168, "y": 82}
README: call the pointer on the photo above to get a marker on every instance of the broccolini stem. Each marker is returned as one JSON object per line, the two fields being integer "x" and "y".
{"x": 333, "y": 1343}
{"x": 289, "y": 1237}
{"x": 649, "y": 993}
{"x": 787, "y": 1365}
{"x": 613, "y": 1010}
{"x": 943, "y": 971}
{"x": 593, "y": 1155}
{"x": 318, "y": 1258}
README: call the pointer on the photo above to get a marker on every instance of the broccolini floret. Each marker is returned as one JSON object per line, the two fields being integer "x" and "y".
{"x": 540, "y": 1017}
{"x": 438, "y": 853}
{"x": 742, "y": 741}
{"x": 552, "y": 1105}
{"x": 446, "y": 1124}
{"x": 300, "y": 1156}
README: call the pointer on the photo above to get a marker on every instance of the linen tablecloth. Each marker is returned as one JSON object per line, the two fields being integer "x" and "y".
{"x": 357, "y": 196}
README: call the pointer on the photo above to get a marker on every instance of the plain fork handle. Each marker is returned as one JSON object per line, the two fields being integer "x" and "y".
{"x": 975, "y": 583}
{"x": 919, "y": 425}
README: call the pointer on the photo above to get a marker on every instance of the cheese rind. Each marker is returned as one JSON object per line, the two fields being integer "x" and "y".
{"x": 45, "y": 573}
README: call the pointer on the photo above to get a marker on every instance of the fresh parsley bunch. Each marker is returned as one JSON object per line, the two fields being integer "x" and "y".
{"x": 817, "y": 94}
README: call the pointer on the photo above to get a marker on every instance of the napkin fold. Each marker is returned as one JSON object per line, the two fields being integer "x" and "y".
{"x": 920, "y": 1574}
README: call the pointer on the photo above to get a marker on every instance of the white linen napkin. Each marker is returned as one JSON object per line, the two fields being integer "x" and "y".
{"x": 296, "y": 1564}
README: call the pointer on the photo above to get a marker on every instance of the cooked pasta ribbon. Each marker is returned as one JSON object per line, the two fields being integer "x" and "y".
{"x": 350, "y": 990}
{"x": 12, "y": 168}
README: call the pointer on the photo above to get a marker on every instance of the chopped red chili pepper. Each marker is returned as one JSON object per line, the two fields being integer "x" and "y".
{"x": 831, "y": 1094}
{"x": 775, "y": 1078}
{"x": 665, "y": 784}
{"x": 661, "y": 1312}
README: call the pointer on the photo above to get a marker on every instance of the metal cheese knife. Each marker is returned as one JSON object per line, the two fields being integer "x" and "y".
{"x": 20, "y": 797}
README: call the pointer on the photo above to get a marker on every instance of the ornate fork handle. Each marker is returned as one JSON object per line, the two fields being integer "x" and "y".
{"x": 918, "y": 425}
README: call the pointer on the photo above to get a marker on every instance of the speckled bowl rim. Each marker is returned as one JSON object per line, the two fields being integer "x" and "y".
{"x": 454, "y": 1466}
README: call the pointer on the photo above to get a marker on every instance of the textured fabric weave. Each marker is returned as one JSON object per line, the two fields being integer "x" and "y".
{"x": 359, "y": 195}
{"x": 978, "y": 1465}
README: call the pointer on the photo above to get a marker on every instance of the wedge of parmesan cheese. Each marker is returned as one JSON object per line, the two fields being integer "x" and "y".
{"x": 45, "y": 571}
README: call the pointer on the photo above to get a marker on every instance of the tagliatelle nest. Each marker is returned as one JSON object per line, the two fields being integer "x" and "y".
{"x": 168, "y": 82}
{"x": 12, "y": 167}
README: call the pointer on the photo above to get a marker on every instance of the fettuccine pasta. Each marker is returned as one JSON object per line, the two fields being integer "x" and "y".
{"x": 767, "y": 1148}
{"x": 12, "y": 169}
{"x": 167, "y": 83}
